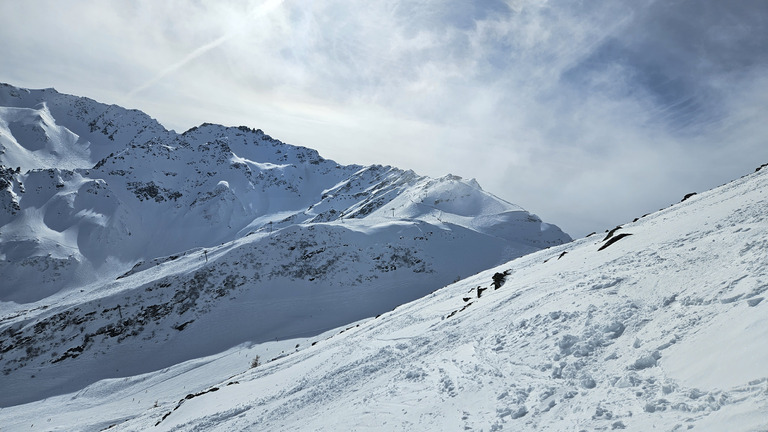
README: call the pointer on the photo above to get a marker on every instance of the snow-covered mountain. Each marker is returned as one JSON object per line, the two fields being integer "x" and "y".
{"x": 88, "y": 189}
{"x": 659, "y": 324}
{"x": 126, "y": 248}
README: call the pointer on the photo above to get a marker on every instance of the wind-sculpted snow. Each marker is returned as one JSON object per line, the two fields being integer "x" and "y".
{"x": 662, "y": 330}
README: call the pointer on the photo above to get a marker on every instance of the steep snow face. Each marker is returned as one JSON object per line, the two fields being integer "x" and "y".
{"x": 657, "y": 325}
{"x": 31, "y": 138}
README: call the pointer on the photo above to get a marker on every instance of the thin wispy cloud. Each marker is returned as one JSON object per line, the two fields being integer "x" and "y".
{"x": 258, "y": 12}
{"x": 176, "y": 66}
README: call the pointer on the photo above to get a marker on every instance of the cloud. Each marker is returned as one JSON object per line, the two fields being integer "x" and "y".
{"x": 587, "y": 113}
{"x": 261, "y": 10}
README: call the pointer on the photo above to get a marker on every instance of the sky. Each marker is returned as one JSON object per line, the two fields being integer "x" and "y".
{"x": 586, "y": 113}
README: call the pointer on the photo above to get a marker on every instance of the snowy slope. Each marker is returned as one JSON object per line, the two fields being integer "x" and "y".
{"x": 658, "y": 325}
{"x": 126, "y": 248}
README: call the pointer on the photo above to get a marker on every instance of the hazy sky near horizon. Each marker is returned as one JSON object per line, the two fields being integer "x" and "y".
{"x": 587, "y": 113}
